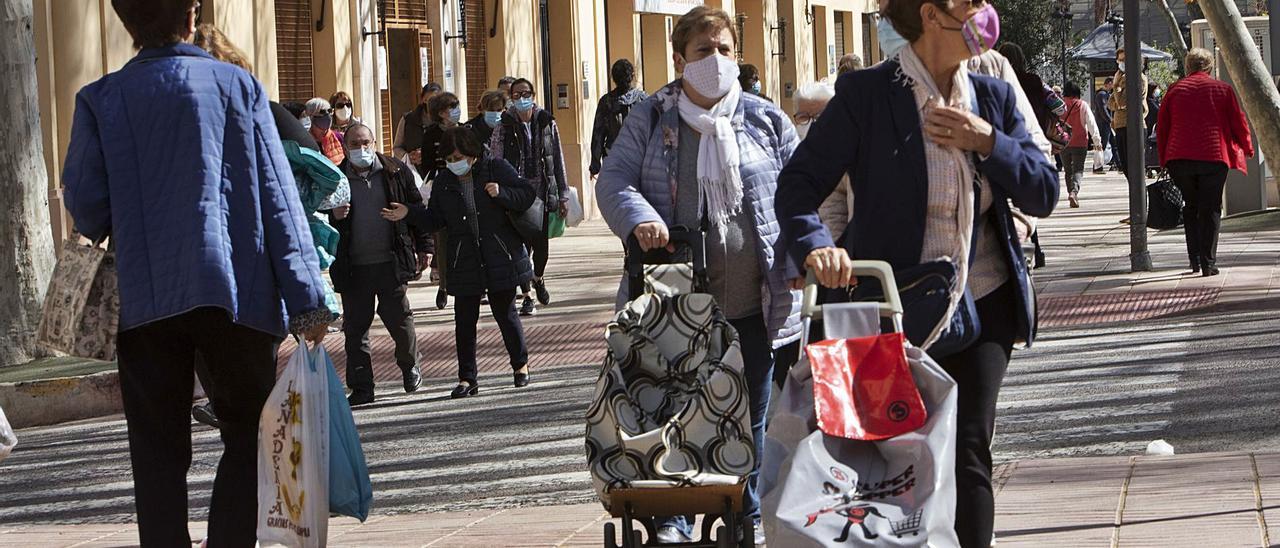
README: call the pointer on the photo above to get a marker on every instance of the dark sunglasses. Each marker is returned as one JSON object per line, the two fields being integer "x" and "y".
{"x": 342, "y": 105}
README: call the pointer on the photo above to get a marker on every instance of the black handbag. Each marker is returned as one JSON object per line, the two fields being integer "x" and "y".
{"x": 528, "y": 223}
{"x": 925, "y": 291}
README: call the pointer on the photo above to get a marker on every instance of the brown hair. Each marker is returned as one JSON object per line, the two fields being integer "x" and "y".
{"x": 154, "y": 23}
{"x": 212, "y": 40}
{"x": 338, "y": 97}
{"x": 441, "y": 103}
{"x": 905, "y": 16}
{"x": 700, "y": 20}
{"x": 493, "y": 98}
{"x": 1199, "y": 60}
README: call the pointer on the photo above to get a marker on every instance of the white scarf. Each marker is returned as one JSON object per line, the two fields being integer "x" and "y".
{"x": 958, "y": 171}
{"x": 718, "y": 157}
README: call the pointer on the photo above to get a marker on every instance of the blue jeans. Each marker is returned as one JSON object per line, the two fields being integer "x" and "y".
{"x": 757, "y": 357}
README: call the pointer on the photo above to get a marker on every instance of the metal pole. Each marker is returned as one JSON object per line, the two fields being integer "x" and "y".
{"x": 1139, "y": 257}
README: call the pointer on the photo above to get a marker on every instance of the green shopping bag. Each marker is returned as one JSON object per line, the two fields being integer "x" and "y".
{"x": 555, "y": 225}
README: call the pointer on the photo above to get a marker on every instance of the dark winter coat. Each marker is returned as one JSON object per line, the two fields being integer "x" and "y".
{"x": 425, "y": 137}
{"x": 493, "y": 257}
{"x": 536, "y": 155}
{"x": 482, "y": 130}
{"x": 406, "y": 240}
{"x": 610, "y": 114}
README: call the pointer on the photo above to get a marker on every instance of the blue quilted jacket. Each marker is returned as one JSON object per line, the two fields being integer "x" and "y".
{"x": 177, "y": 157}
{"x": 638, "y": 181}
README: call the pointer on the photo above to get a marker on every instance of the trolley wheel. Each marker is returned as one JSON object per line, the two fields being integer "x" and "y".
{"x": 724, "y": 537}
{"x": 748, "y": 533}
{"x": 610, "y": 535}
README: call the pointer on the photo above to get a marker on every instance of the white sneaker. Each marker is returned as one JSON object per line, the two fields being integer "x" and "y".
{"x": 670, "y": 534}
{"x": 760, "y": 540}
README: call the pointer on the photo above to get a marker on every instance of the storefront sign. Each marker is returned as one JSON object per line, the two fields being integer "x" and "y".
{"x": 668, "y": 7}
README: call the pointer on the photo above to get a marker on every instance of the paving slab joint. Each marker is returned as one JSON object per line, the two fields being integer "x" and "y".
{"x": 601, "y": 517}
{"x": 1257, "y": 499}
{"x": 467, "y": 526}
{"x": 1124, "y": 495}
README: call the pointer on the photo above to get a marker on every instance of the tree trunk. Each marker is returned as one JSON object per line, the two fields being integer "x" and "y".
{"x": 1253, "y": 81}
{"x": 26, "y": 237}
{"x": 1179, "y": 43}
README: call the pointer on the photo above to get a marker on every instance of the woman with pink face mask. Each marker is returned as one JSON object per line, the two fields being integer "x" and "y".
{"x": 702, "y": 154}
{"x": 937, "y": 158}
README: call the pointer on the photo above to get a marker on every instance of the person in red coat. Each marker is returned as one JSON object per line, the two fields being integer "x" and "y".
{"x": 1201, "y": 133}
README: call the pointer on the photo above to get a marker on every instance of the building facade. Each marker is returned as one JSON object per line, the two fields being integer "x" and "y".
{"x": 382, "y": 52}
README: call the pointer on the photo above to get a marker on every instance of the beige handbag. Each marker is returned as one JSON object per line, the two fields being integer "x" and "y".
{"x": 82, "y": 306}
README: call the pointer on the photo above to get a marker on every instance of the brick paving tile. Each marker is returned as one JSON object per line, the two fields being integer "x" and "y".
{"x": 1066, "y": 502}
{"x": 1194, "y": 500}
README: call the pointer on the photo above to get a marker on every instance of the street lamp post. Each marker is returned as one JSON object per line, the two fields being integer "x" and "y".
{"x": 1139, "y": 256}
{"x": 1063, "y": 14}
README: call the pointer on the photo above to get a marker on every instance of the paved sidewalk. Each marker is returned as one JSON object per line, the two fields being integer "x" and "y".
{"x": 1194, "y": 501}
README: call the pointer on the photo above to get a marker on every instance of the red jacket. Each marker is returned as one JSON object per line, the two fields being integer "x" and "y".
{"x": 1200, "y": 119}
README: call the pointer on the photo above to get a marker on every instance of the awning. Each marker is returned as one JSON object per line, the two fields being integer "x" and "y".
{"x": 1100, "y": 45}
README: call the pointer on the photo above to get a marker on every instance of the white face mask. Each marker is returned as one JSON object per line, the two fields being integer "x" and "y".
{"x": 712, "y": 76}
{"x": 803, "y": 129}
{"x": 343, "y": 113}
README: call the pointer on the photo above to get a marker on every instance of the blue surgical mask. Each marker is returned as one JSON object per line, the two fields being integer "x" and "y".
{"x": 755, "y": 88}
{"x": 361, "y": 157}
{"x": 455, "y": 114}
{"x": 460, "y": 167}
{"x": 492, "y": 118}
{"x": 890, "y": 41}
{"x": 524, "y": 104}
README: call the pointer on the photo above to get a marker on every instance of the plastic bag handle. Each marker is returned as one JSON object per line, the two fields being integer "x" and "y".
{"x": 891, "y": 307}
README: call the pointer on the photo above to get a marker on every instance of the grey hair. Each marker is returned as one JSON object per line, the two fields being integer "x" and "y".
{"x": 355, "y": 128}
{"x": 317, "y": 104}
{"x": 815, "y": 91}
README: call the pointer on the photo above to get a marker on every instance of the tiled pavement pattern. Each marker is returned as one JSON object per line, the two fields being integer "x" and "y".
{"x": 1205, "y": 500}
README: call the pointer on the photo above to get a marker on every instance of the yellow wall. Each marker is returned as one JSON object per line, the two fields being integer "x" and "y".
{"x": 251, "y": 26}
{"x": 823, "y": 35}
{"x": 625, "y": 35}
{"x": 659, "y": 67}
{"x": 514, "y": 50}
{"x": 331, "y": 49}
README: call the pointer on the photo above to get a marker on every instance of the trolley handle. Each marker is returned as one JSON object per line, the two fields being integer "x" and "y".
{"x": 680, "y": 237}
{"x": 890, "y": 307}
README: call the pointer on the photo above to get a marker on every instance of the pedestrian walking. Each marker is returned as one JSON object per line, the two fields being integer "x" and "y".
{"x": 321, "y": 115}
{"x": 849, "y": 63}
{"x": 1202, "y": 133}
{"x": 491, "y": 106}
{"x": 343, "y": 113}
{"x": 411, "y": 130}
{"x": 419, "y": 138}
{"x": 470, "y": 200}
{"x": 837, "y": 210}
{"x": 909, "y": 194}
{"x": 703, "y": 154}
{"x": 529, "y": 140}
{"x": 1084, "y": 137}
{"x": 612, "y": 111}
{"x": 1102, "y": 115}
{"x": 1118, "y": 103}
{"x": 749, "y": 79}
{"x": 212, "y": 253}
{"x": 375, "y": 261}
{"x": 1040, "y": 97}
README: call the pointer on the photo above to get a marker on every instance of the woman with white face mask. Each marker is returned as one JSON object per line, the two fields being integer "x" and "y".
{"x": 344, "y": 115}
{"x": 702, "y": 154}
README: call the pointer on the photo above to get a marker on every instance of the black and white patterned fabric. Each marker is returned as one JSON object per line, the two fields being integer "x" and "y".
{"x": 670, "y": 407}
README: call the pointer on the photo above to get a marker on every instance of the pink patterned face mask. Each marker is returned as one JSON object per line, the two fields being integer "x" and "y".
{"x": 980, "y": 31}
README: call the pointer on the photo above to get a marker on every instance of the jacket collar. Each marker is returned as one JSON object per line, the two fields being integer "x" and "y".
{"x": 390, "y": 167}
{"x": 904, "y": 112}
{"x": 180, "y": 49}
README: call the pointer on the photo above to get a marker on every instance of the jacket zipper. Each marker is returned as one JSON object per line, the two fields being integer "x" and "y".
{"x": 503, "y": 246}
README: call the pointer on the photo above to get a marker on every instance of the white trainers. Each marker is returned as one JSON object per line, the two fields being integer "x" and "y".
{"x": 670, "y": 534}
{"x": 760, "y": 540}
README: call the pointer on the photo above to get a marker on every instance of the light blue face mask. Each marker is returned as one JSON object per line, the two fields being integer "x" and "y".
{"x": 459, "y": 168}
{"x": 890, "y": 40}
{"x": 492, "y": 118}
{"x": 524, "y": 104}
{"x": 755, "y": 88}
{"x": 455, "y": 114}
{"x": 361, "y": 157}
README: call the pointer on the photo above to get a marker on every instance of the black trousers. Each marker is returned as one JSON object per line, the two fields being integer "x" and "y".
{"x": 1201, "y": 184}
{"x": 466, "y": 314}
{"x": 370, "y": 283}
{"x": 156, "y": 362}
{"x": 979, "y": 371}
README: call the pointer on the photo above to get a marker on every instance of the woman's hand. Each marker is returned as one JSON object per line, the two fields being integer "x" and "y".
{"x": 832, "y": 266}
{"x": 395, "y": 212}
{"x": 948, "y": 126}
{"x": 652, "y": 235}
{"x": 491, "y": 189}
{"x": 340, "y": 212}
{"x": 316, "y": 334}
{"x": 564, "y": 208}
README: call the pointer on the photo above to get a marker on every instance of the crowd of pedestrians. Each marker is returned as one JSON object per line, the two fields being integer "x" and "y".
{"x": 940, "y": 154}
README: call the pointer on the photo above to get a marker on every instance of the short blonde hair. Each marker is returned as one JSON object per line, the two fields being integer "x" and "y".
{"x": 212, "y": 40}
{"x": 1199, "y": 60}
{"x": 699, "y": 20}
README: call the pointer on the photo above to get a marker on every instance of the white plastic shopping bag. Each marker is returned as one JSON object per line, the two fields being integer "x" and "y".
{"x": 293, "y": 458}
{"x": 576, "y": 215}
{"x": 7, "y": 438}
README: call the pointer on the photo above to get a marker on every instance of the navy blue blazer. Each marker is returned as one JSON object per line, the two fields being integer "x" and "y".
{"x": 872, "y": 131}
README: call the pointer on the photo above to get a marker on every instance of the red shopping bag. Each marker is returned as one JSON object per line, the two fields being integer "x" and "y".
{"x": 863, "y": 388}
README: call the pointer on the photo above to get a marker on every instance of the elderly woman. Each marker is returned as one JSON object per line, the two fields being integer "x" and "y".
{"x": 321, "y": 115}
{"x": 935, "y": 156}
{"x": 703, "y": 154}
{"x": 1201, "y": 134}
